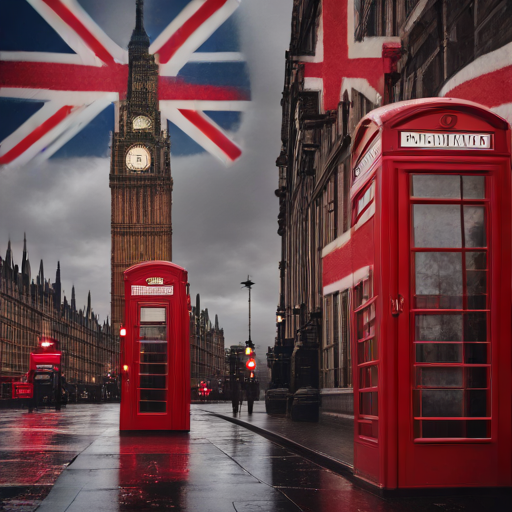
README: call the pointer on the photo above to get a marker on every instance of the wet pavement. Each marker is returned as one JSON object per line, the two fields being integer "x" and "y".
{"x": 217, "y": 467}
{"x": 334, "y": 440}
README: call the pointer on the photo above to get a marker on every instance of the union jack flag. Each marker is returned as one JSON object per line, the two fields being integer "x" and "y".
{"x": 64, "y": 72}
{"x": 341, "y": 62}
{"x": 486, "y": 80}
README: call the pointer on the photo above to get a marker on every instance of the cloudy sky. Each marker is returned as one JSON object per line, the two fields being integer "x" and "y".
{"x": 224, "y": 218}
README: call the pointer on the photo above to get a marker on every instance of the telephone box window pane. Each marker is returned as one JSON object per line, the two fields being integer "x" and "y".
{"x": 442, "y": 402}
{"x": 476, "y": 260}
{"x": 436, "y": 186}
{"x": 369, "y": 429}
{"x": 152, "y": 381}
{"x": 476, "y": 377}
{"x": 153, "y": 348}
{"x": 368, "y": 404}
{"x": 153, "y": 358}
{"x": 153, "y": 406}
{"x": 439, "y": 377}
{"x": 474, "y": 226}
{"x": 438, "y": 280}
{"x": 368, "y": 377}
{"x": 443, "y": 428}
{"x": 367, "y": 351}
{"x": 366, "y": 322}
{"x": 478, "y": 429}
{"x": 439, "y": 353}
{"x": 155, "y": 395}
{"x": 476, "y": 281}
{"x": 153, "y": 332}
{"x": 439, "y": 327}
{"x": 365, "y": 200}
{"x": 476, "y": 402}
{"x": 152, "y": 314}
{"x": 475, "y": 353}
{"x": 437, "y": 225}
{"x": 153, "y": 369}
{"x": 473, "y": 187}
{"x": 475, "y": 327}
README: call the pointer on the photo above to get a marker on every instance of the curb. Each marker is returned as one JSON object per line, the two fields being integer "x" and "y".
{"x": 337, "y": 466}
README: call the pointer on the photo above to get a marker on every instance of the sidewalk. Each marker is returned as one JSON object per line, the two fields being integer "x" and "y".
{"x": 330, "y": 445}
{"x": 218, "y": 467}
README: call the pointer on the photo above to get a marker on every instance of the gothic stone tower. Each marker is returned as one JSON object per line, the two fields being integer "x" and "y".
{"x": 140, "y": 173}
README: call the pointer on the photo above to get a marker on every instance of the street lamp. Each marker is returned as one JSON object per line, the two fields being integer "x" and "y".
{"x": 248, "y": 284}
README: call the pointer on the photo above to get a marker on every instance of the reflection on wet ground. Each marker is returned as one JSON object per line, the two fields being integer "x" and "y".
{"x": 217, "y": 467}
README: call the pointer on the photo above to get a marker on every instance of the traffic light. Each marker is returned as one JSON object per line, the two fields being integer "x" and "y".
{"x": 251, "y": 364}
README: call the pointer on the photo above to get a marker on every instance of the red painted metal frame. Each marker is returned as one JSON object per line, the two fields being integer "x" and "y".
{"x": 396, "y": 459}
{"x": 177, "y": 414}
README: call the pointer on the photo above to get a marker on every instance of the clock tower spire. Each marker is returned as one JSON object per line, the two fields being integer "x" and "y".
{"x": 140, "y": 172}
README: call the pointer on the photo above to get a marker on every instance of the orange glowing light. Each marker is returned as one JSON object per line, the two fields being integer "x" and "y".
{"x": 251, "y": 364}
{"x": 125, "y": 367}
{"x": 46, "y": 344}
{"x": 122, "y": 331}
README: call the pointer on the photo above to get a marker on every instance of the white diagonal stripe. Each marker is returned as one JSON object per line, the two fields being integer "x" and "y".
{"x": 80, "y": 121}
{"x": 177, "y": 118}
{"x": 198, "y": 37}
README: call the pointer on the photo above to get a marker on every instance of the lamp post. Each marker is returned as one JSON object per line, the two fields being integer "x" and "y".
{"x": 248, "y": 284}
{"x": 251, "y": 387}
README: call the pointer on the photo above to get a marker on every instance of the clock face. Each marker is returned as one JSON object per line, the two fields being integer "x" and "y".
{"x": 138, "y": 158}
{"x": 141, "y": 123}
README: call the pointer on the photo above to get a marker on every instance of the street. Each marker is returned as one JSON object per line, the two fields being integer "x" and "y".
{"x": 76, "y": 460}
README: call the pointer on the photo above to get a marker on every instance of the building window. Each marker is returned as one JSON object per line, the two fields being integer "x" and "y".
{"x": 336, "y": 353}
{"x": 330, "y": 210}
{"x": 330, "y": 350}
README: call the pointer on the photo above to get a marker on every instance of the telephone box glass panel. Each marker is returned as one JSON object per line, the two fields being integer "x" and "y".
{"x": 450, "y": 255}
{"x": 153, "y": 352}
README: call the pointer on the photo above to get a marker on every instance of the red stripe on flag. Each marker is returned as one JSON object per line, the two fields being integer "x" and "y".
{"x": 216, "y": 136}
{"x": 39, "y": 132}
{"x": 68, "y": 17}
{"x": 181, "y": 35}
{"x": 175, "y": 88}
{"x": 64, "y": 77}
{"x": 114, "y": 78}
{"x": 491, "y": 89}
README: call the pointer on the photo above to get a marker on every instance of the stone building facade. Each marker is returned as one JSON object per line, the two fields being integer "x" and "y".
{"x": 207, "y": 357}
{"x": 31, "y": 309}
{"x": 345, "y": 58}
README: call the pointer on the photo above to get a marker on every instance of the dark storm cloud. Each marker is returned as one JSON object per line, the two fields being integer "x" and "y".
{"x": 64, "y": 207}
{"x": 224, "y": 219}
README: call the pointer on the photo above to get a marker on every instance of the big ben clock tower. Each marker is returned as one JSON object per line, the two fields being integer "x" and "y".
{"x": 140, "y": 173}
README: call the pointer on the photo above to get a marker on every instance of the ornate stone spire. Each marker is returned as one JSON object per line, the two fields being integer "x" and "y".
{"x": 140, "y": 39}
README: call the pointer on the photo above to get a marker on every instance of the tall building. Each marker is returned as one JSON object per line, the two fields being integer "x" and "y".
{"x": 140, "y": 172}
{"x": 347, "y": 57}
{"x": 31, "y": 309}
{"x": 206, "y": 346}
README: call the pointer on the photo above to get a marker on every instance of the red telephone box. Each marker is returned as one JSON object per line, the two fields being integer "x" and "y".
{"x": 155, "y": 351}
{"x": 428, "y": 266}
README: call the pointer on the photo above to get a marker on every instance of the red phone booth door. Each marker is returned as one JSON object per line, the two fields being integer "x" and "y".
{"x": 153, "y": 355}
{"x": 448, "y": 242}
